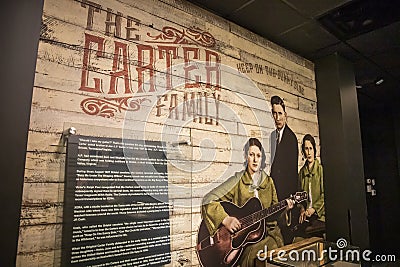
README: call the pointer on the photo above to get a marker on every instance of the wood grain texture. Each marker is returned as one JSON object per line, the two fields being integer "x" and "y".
{"x": 252, "y": 70}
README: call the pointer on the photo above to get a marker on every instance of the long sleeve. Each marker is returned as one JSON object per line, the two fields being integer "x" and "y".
{"x": 317, "y": 188}
{"x": 293, "y": 163}
{"x": 212, "y": 211}
{"x": 274, "y": 195}
{"x": 284, "y": 169}
{"x": 318, "y": 199}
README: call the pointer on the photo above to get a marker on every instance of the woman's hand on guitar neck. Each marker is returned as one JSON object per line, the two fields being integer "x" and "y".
{"x": 232, "y": 224}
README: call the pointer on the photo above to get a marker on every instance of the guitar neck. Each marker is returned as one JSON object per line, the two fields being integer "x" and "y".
{"x": 262, "y": 214}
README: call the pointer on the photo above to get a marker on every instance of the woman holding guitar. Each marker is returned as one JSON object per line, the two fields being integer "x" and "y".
{"x": 245, "y": 235}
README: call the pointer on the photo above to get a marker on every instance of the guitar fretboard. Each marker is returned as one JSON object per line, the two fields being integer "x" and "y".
{"x": 262, "y": 214}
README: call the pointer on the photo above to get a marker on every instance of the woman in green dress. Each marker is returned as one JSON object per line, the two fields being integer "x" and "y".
{"x": 238, "y": 189}
{"x": 311, "y": 180}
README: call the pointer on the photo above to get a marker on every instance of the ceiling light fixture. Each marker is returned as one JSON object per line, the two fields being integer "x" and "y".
{"x": 379, "y": 81}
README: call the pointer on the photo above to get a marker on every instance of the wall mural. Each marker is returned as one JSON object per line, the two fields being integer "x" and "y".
{"x": 204, "y": 90}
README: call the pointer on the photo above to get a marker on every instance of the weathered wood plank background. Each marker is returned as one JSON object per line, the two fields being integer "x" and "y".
{"x": 213, "y": 152}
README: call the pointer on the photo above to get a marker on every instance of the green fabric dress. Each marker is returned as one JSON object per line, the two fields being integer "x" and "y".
{"x": 315, "y": 175}
{"x": 238, "y": 190}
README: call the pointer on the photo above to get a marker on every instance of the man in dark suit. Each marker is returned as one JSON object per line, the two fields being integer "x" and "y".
{"x": 284, "y": 155}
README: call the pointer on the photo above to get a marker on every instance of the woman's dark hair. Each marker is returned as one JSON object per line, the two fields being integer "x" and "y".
{"x": 309, "y": 137}
{"x": 254, "y": 142}
{"x": 276, "y": 100}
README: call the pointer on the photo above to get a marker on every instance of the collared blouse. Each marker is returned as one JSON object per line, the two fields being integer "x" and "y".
{"x": 315, "y": 176}
{"x": 238, "y": 189}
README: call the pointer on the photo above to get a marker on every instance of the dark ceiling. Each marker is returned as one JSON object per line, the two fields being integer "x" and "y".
{"x": 366, "y": 32}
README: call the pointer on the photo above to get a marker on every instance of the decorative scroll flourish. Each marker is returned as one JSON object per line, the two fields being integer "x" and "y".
{"x": 194, "y": 35}
{"x": 109, "y": 106}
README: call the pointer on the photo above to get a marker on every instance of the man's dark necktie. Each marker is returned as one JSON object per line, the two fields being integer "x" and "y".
{"x": 277, "y": 138}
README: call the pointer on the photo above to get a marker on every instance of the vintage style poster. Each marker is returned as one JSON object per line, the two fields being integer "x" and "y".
{"x": 169, "y": 102}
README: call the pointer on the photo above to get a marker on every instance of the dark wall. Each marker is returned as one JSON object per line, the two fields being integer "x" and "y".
{"x": 20, "y": 21}
{"x": 380, "y": 122}
{"x": 341, "y": 152}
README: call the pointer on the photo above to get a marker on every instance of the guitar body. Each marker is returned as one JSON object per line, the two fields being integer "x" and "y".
{"x": 224, "y": 249}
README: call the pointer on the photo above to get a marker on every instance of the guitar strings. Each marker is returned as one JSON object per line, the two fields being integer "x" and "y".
{"x": 259, "y": 214}
{"x": 279, "y": 206}
{"x": 249, "y": 219}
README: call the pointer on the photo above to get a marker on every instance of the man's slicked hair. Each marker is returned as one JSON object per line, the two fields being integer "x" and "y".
{"x": 276, "y": 100}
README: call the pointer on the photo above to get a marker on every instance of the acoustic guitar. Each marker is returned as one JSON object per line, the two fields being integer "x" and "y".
{"x": 223, "y": 249}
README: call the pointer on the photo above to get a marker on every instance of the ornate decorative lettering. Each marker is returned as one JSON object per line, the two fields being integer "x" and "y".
{"x": 194, "y": 35}
{"x": 109, "y": 106}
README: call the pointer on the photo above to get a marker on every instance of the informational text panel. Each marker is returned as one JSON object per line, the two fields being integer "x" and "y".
{"x": 116, "y": 203}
